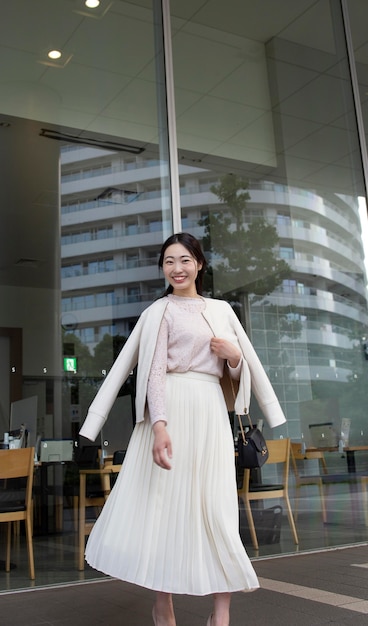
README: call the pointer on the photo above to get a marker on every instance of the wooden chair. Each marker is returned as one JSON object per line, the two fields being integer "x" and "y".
{"x": 279, "y": 455}
{"x": 299, "y": 456}
{"x": 96, "y": 500}
{"x": 16, "y": 505}
{"x": 352, "y": 479}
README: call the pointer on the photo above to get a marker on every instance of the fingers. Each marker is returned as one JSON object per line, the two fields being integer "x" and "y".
{"x": 218, "y": 344}
{"x": 161, "y": 459}
{"x": 162, "y": 450}
{"x": 164, "y": 463}
{"x": 223, "y": 348}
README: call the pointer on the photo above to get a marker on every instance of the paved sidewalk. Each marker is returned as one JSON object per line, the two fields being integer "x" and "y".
{"x": 329, "y": 587}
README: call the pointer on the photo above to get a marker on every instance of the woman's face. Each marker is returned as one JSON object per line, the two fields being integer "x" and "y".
{"x": 180, "y": 269}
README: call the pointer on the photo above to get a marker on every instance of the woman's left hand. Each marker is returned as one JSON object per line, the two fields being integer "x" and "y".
{"x": 225, "y": 350}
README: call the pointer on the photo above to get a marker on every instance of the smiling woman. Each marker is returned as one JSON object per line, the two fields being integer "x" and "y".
{"x": 181, "y": 446}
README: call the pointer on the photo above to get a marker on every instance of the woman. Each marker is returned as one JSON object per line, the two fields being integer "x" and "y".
{"x": 171, "y": 521}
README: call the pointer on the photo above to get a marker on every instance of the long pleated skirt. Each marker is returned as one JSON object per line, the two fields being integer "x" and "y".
{"x": 177, "y": 530}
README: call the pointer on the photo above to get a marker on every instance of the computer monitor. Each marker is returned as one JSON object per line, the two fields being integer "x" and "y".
{"x": 25, "y": 412}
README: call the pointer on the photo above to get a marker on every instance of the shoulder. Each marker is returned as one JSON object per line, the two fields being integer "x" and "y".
{"x": 148, "y": 324}
{"x": 219, "y": 305}
{"x": 221, "y": 311}
{"x": 154, "y": 310}
{"x": 156, "y": 306}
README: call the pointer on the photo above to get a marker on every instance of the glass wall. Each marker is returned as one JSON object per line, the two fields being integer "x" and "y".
{"x": 85, "y": 206}
{"x": 271, "y": 176}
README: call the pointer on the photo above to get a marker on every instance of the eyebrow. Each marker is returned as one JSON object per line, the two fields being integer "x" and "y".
{"x": 183, "y": 256}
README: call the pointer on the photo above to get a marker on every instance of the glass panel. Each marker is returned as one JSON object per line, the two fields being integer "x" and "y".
{"x": 82, "y": 156}
{"x": 271, "y": 180}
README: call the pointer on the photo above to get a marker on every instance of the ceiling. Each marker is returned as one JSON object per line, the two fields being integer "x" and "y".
{"x": 230, "y": 109}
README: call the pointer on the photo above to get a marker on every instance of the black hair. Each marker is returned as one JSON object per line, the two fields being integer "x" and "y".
{"x": 194, "y": 248}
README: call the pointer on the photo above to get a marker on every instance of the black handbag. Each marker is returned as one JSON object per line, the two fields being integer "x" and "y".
{"x": 252, "y": 447}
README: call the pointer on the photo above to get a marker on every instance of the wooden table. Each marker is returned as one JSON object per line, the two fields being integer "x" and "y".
{"x": 348, "y": 450}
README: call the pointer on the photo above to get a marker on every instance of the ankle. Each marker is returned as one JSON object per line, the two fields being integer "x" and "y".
{"x": 163, "y": 615}
{"x": 223, "y": 620}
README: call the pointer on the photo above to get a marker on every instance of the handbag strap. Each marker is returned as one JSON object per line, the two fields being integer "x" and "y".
{"x": 241, "y": 428}
{"x": 238, "y": 416}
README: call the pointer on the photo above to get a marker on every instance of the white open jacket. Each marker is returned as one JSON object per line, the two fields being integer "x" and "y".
{"x": 139, "y": 349}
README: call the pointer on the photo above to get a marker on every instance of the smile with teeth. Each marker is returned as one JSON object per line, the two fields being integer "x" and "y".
{"x": 179, "y": 279}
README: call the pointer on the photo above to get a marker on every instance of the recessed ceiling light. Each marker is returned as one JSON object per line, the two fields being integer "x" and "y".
{"x": 54, "y": 54}
{"x": 96, "y": 9}
{"x": 54, "y": 57}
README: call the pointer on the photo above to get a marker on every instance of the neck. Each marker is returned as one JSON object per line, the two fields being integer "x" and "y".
{"x": 185, "y": 294}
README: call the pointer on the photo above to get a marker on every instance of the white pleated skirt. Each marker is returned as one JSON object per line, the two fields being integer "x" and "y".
{"x": 177, "y": 530}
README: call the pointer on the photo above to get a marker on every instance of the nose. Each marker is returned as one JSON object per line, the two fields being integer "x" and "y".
{"x": 177, "y": 267}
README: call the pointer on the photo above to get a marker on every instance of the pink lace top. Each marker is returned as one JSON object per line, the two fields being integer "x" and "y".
{"x": 183, "y": 345}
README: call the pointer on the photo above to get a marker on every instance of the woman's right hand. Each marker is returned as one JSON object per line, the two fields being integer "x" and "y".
{"x": 161, "y": 450}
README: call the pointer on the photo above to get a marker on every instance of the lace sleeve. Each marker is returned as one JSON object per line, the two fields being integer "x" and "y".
{"x": 157, "y": 377}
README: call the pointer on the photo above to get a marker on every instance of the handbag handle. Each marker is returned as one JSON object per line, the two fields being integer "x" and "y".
{"x": 238, "y": 416}
{"x": 241, "y": 425}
